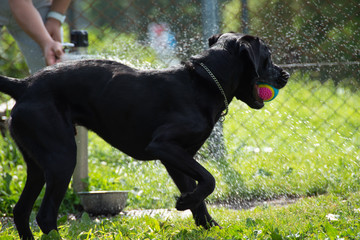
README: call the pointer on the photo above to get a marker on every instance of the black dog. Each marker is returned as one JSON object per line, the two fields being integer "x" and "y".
{"x": 158, "y": 114}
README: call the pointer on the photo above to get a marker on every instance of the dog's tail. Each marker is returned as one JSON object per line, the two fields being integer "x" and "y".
{"x": 12, "y": 86}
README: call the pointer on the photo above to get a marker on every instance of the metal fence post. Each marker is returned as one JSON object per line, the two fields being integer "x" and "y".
{"x": 210, "y": 17}
{"x": 245, "y": 16}
{"x": 73, "y": 15}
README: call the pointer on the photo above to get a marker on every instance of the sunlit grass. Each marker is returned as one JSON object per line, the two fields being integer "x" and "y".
{"x": 325, "y": 217}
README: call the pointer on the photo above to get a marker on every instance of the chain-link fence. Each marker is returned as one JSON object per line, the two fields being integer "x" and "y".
{"x": 318, "y": 41}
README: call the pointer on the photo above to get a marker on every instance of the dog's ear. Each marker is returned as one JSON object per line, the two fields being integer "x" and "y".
{"x": 213, "y": 39}
{"x": 249, "y": 38}
{"x": 249, "y": 48}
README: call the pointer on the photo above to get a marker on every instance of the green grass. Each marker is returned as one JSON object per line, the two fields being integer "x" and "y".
{"x": 306, "y": 219}
{"x": 305, "y": 143}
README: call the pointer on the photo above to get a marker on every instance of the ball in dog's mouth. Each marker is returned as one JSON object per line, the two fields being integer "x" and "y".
{"x": 256, "y": 94}
{"x": 259, "y": 102}
{"x": 266, "y": 91}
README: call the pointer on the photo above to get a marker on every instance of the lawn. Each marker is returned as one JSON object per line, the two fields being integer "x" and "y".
{"x": 324, "y": 217}
{"x": 304, "y": 145}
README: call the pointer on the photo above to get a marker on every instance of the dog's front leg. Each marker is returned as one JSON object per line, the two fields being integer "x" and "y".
{"x": 187, "y": 184}
{"x": 175, "y": 157}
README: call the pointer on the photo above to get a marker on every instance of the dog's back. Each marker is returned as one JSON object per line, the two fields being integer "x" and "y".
{"x": 109, "y": 98}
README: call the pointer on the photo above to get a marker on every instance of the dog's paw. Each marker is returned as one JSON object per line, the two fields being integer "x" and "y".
{"x": 187, "y": 201}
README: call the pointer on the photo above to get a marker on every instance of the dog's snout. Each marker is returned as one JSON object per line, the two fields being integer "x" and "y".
{"x": 285, "y": 75}
{"x": 282, "y": 80}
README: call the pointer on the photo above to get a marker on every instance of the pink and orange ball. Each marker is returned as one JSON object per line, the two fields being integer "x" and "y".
{"x": 267, "y": 92}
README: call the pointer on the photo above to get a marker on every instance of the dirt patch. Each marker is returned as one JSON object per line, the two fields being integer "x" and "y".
{"x": 173, "y": 213}
{"x": 161, "y": 213}
{"x": 245, "y": 205}
{"x": 235, "y": 205}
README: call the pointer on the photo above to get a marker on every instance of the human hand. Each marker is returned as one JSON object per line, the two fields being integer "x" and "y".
{"x": 53, "y": 51}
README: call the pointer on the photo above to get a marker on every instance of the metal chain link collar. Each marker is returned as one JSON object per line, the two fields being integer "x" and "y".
{"x": 223, "y": 114}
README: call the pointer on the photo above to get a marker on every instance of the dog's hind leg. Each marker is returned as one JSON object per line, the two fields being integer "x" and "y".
{"x": 57, "y": 179}
{"x": 47, "y": 136}
{"x": 59, "y": 164}
{"x": 34, "y": 183}
{"x": 186, "y": 185}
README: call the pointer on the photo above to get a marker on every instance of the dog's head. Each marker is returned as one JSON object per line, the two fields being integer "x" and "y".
{"x": 255, "y": 64}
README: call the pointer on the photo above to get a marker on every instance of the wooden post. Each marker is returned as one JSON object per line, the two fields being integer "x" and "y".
{"x": 80, "y": 177}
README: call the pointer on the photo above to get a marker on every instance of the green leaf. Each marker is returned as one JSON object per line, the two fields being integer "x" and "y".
{"x": 250, "y": 222}
{"x": 331, "y": 231}
{"x": 275, "y": 235}
{"x": 85, "y": 218}
{"x": 53, "y": 235}
{"x": 62, "y": 220}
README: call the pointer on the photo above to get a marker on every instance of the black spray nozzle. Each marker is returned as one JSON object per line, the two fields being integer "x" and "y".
{"x": 79, "y": 38}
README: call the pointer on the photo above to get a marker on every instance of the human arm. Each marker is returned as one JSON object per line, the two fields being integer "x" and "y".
{"x": 53, "y": 25}
{"x": 31, "y": 22}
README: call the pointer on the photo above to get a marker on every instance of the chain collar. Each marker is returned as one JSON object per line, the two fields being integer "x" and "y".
{"x": 223, "y": 114}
